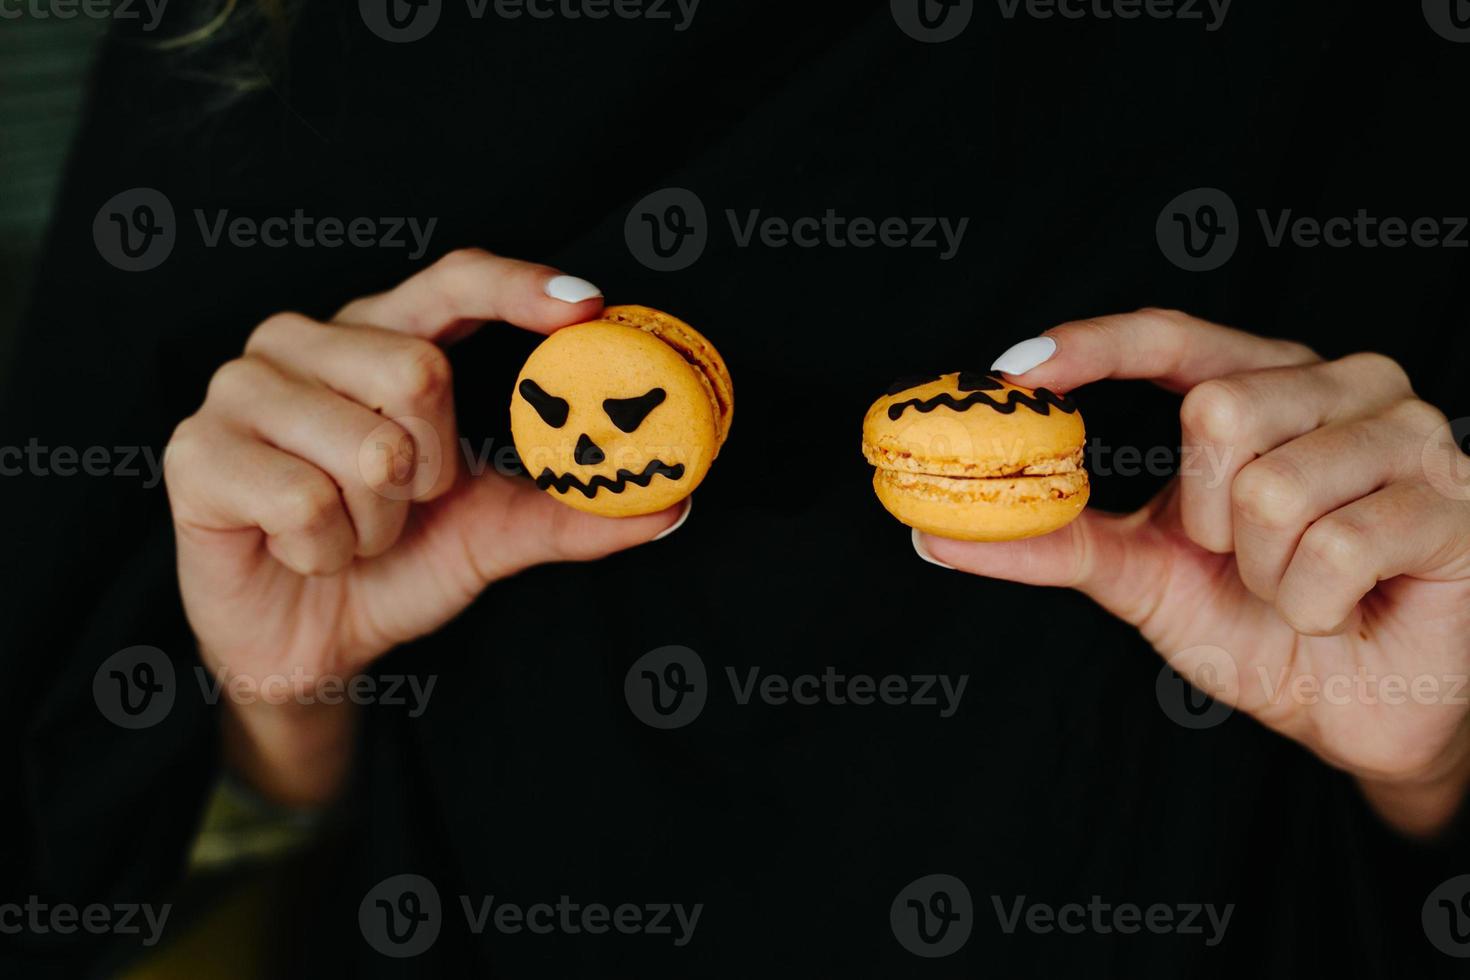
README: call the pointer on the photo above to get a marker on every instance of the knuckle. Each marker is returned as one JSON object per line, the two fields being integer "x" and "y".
{"x": 234, "y": 379}
{"x": 1217, "y": 412}
{"x": 1337, "y": 547}
{"x": 1419, "y": 417}
{"x": 277, "y": 327}
{"x": 423, "y": 372}
{"x": 463, "y": 260}
{"x": 182, "y": 449}
{"x": 388, "y": 452}
{"x": 308, "y": 505}
{"x": 1270, "y": 494}
{"x": 1378, "y": 366}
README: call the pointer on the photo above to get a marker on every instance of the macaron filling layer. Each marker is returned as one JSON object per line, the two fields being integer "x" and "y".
{"x": 968, "y": 490}
{"x": 993, "y": 467}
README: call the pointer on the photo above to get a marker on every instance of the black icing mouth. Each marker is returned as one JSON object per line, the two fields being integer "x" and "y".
{"x": 618, "y": 484}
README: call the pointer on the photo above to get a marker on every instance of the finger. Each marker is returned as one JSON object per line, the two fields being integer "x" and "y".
{"x": 1120, "y": 561}
{"x": 1406, "y": 528}
{"x": 223, "y": 481}
{"x": 1228, "y": 422}
{"x": 1173, "y": 350}
{"x": 500, "y": 526}
{"x": 470, "y": 286}
{"x": 405, "y": 378}
{"x": 371, "y": 459}
{"x": 1277, "y": 497}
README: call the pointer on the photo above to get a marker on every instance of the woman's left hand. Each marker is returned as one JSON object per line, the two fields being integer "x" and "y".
{"x": 1309, "y": 565}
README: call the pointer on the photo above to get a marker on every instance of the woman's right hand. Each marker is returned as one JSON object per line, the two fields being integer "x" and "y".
{"x": 323, "y": 514}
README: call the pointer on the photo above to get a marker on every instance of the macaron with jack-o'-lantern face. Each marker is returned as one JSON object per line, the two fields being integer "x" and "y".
{"x": 623, "y": 415}
{"x": 970, "y": 456}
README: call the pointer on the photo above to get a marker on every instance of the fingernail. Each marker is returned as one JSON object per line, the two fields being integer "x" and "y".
{"x": 688, "y": 506}
{"x": 918, "y": 540}
{"x": 1025, "y": 356}
{"x": 570, "y": 289}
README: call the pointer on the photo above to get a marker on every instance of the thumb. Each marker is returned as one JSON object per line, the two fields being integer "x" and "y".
{"x": 1122, "y": 562}
{"x": 506, "y": 525}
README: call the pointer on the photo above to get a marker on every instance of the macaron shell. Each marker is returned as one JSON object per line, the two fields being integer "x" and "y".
{"x": 983, "y": 509}
{"x": 693, "y": 346}
{"x": 587, "y": 364}
{"x": 948, "y": 426}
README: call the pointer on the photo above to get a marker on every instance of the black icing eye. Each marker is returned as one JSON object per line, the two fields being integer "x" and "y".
{"x": 978, "y": 381}
{"x": 553, "y": 410}
{"x": 628, "y": 413}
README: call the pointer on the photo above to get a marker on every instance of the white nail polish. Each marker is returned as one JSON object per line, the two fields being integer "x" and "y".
{"x": 688, "y": 506}
{"x": 1025, "y": 356}
{"x": 924, "y": 553}
{"x": 570, "y": 289}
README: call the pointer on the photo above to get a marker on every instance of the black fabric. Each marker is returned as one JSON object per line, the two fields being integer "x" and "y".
{"x": 528, "y": 778}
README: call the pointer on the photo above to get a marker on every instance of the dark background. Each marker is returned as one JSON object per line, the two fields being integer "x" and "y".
{"x": 1059, "y": 779}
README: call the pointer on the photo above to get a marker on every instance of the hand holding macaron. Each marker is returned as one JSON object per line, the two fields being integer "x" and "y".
{"x": 1332, "y": 541}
